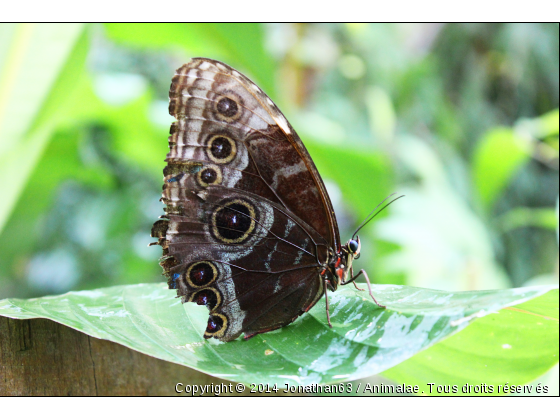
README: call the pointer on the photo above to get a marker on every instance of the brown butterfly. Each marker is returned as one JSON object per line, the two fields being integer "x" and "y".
{"x": 249, "y": 229}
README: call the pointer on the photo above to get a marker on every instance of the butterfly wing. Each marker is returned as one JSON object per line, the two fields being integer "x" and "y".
{"x": 248, "y": 221}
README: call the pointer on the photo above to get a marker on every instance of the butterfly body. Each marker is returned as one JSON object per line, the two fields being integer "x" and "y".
{"x": 249, "y": 229}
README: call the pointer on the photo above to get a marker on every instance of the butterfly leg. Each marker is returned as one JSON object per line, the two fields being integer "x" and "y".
{"x": 355, "y": 285}
{"x": 362, "y": 271}
{"x": 327, "y": 300}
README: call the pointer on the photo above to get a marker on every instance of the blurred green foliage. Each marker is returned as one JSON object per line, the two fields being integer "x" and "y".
{"x": 462, "y": 118}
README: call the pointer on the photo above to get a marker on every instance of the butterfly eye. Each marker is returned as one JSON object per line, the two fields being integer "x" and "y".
{"x": 354, "y": 246}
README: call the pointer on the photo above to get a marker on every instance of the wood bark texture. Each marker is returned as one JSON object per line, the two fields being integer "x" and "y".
{"x": 42, "y": 357}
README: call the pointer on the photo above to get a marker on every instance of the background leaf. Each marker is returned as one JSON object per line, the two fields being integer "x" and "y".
{"x": 241, "y": 45}
{"x": 522, "y": 217}
{"x": 35, "y": 77}
{"x": 499, "y": 154}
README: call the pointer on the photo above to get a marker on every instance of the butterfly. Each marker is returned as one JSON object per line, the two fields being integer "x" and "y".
{"x": 249, "y": 230}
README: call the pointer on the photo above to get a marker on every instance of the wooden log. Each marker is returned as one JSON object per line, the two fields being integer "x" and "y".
{"x": 42, "y": 357}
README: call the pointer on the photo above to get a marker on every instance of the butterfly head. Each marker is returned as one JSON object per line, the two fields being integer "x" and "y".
{"x": 351, "y": 252}
{"x": 343, "y": 264}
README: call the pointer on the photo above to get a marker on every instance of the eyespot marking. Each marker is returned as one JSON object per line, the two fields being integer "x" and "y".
{"x": 209, "y": 297}
{"x": 227, "y": 108}
{"x": 201, "y": 274}
{"x": 211, "y": 174}
{"x": 221, "y": 149}
{"x": 217, "y": 325}
{"x": 233, "y": 221}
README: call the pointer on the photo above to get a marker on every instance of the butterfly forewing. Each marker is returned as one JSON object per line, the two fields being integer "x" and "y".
{"x": 248, "y": 223}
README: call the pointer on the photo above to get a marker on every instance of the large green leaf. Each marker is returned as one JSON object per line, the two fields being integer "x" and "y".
{"x": 512, "y": 346}
{"x": 364, "y": 340}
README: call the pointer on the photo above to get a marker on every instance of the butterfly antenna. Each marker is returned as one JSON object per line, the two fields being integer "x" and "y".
{"x": 369, "y": 219}
{"x": 364, "y": 222}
